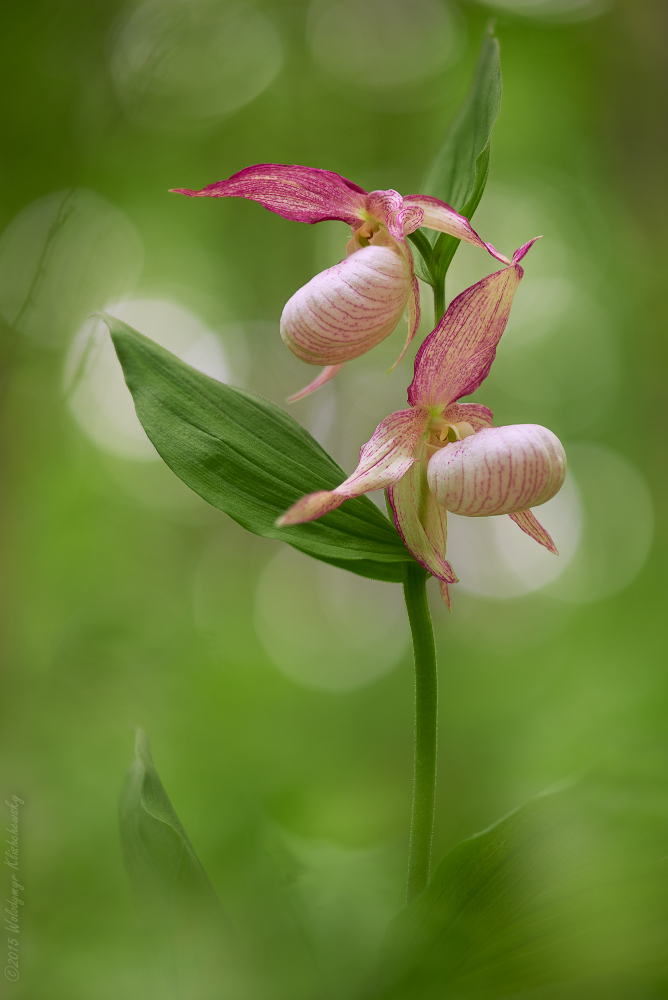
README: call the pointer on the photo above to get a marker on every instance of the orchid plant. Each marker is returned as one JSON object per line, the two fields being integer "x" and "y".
{"x": 428, "y": 457}
{"x": 440, "y": 455}
{"x": 349, "y": 308}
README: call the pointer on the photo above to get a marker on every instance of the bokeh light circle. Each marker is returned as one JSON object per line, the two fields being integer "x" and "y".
{"x": 382, "y": 43}
{"x": 63, "y": 256}
{"x": 560, "y": 11}
{"x": 618, "y": 526}
{"x": 179, "y": 63}
{"x": 97, "y": 394}
{"x": 602, "y": 522}
{"x": 327, "y": 628}
{"x": 494, "y": 558}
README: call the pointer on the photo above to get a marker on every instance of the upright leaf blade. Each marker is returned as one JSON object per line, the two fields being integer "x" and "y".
{"x": 249, "y": 458}
{"x": 162, "y": 865}
{"x": 186, "y": 938}
{"x": 459, "y": 172}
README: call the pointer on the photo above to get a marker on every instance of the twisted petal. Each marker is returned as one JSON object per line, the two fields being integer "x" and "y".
{"x": 420, "y": 521}
{"x": 384, "y": 459}
{"x": 302, "y": 194}
{"x": 325, "y": 376}
{"x": 382, "y": 204}
{"x": 475, "y": 414}
{"x": 438, "y": 215}
{"x": 413, "y": 301}
{"x": 499, "y": 470}
{"x": 529, "y": 524}
{"x": 524, "y": 249}
{"x": 409, "y": 219}
{"x": 457, "y": 356}
{"x": 413, "y": 312}
{"x": 445, "y": 593}
{"x": 390, "y": 209}
{"x": 349, "y": 308}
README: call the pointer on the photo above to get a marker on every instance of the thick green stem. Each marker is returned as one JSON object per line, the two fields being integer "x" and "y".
{"x": 426, "y": 699}
{"x": 439, "y": 301}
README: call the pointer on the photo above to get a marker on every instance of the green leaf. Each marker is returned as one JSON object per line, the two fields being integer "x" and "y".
{"x": 164, "y": 870}
{"x": 249, "y": 458}
{"x": 569, "y": 890}
{"x": 185, "y": 937}
{"x": 459, "y": 172}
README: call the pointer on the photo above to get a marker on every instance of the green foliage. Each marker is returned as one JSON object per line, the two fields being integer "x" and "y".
{"x": 566, "y": 895}
{"x": 249, "y": 458}
{"x": 459, "y": 172}
{"x": 160, "y": 860}
{"x": 185, "y": 934}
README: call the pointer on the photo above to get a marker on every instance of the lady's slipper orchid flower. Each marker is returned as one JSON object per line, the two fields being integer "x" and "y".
{"x": 349, "y": 308}
{"x": 442, "y": 455}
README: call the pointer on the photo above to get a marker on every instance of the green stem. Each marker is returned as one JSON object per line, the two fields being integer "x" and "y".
{"x": 439, "y": 301}
{"x": 426, "y": 698}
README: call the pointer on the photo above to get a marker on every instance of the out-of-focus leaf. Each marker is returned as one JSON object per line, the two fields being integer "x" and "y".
{"x": 567, "y": 897}
{"x": 160, "y": 860}
{"x": 249, "y": 458}
{"x": 459, "y": 173}
{"x": 184, "y": 932}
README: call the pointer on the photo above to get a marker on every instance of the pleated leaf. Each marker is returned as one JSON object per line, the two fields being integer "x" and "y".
{"x": 250, "y": 459}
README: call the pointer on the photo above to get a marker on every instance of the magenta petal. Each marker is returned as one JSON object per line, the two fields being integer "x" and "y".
{"x": 388, "y": 454}
{"x": 445, "y": 594}
{"x": 389, "y": 208}
{"x": 475, "y": 414}
{"x": 421, "y": 522}
{"x": 384, "y": 459}
{"x": 457, "y": 356}
{"x": 438, "y": 215}
{"x": 524, "y": 249}
{"x": 413, "y": 312}
{"x": 499, "y": 470}
{"x": 409, "y": 219}
{"x": 302, "y": 194}
{"x": 310, "y": 507}
{"x": 325, "y": 376}
{"x": 386, "y": 207}
{"x": 525, "y": 520}
{"x": 381, "y": 204}
{"x": 349, "y": 308}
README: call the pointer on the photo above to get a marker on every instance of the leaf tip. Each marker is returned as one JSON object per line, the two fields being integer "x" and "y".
{"x": 142, "y": 746}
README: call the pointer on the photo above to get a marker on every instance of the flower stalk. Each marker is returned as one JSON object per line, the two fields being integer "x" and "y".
{"x": 426, "y": 726}
{"x": 436, "y": 260}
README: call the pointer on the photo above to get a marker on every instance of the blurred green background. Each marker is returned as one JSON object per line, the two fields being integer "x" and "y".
{"x": 278, "y": 692}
